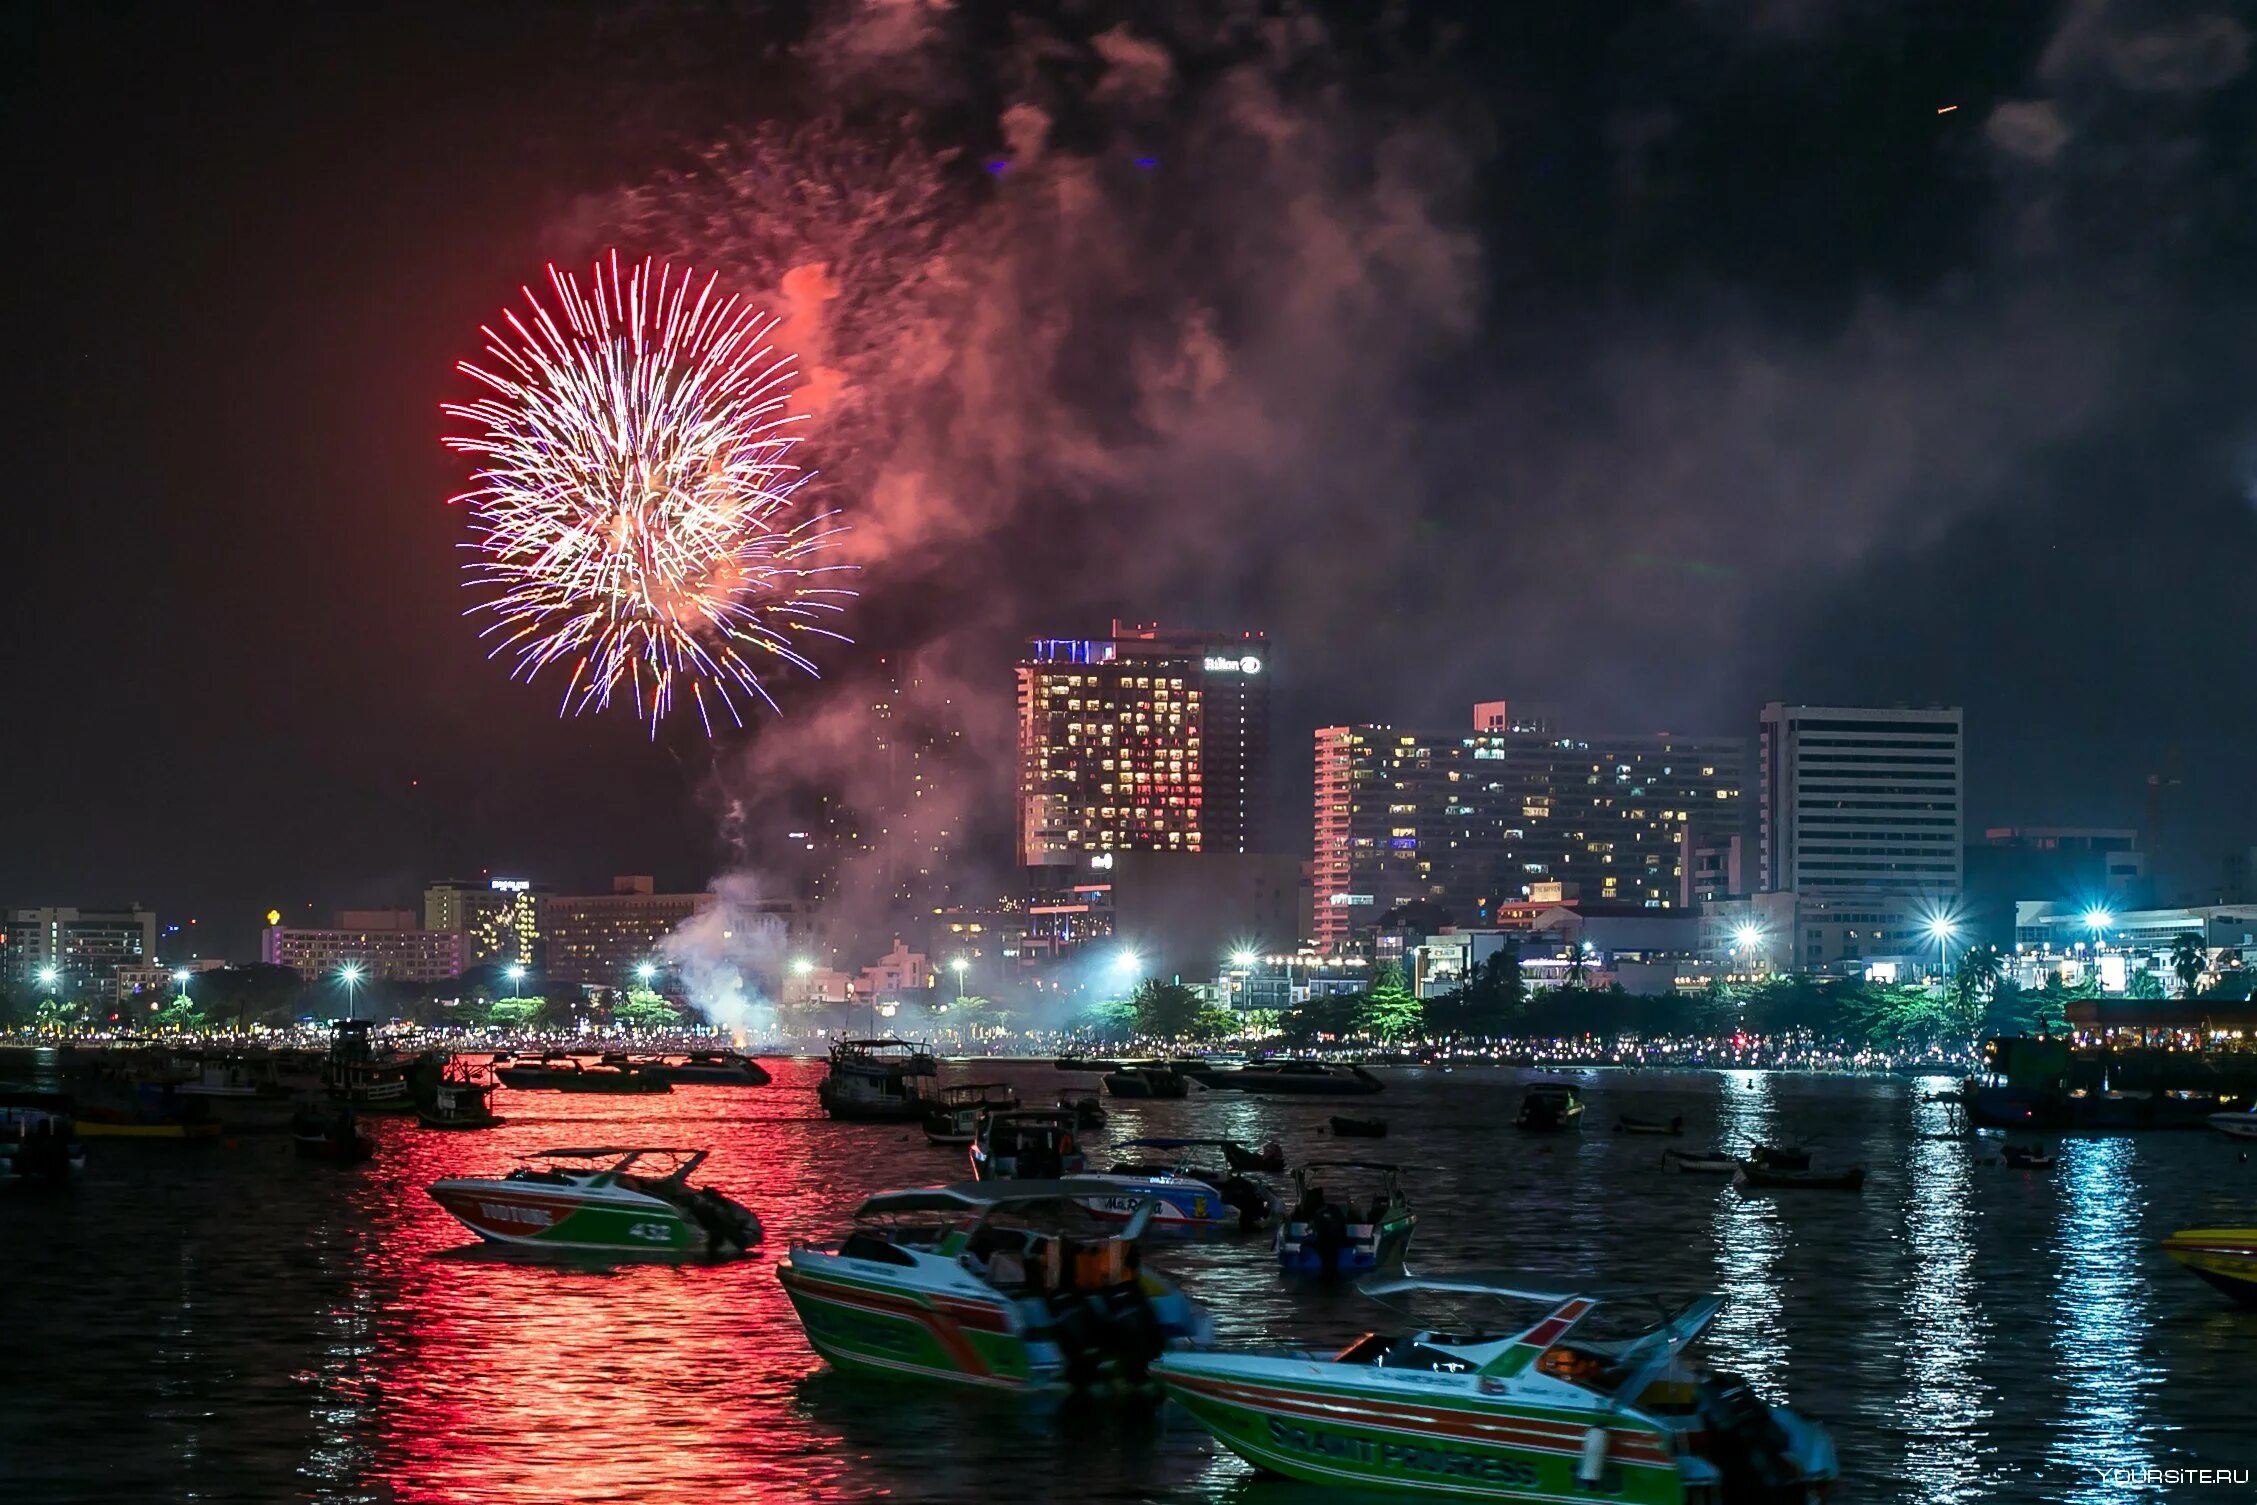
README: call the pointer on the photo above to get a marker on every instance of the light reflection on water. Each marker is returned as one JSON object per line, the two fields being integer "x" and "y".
{"x": 1947, "y": 1404}
{"x": 224, "y": 1322}
{"x": 2102, "y": 1329}
{"x": 1749, "y": 1339}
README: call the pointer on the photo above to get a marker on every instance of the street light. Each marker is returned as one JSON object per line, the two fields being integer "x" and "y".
{"x": 801, "y": 967}
{"x": 2098, "y": 920}
{"x": 1128, "y": 963}
{"x": 957, "y": 966}
{"x": 516, "y": 975}
{"x": 1941, "y": 930}
{"x": 350, "y": 975}
{"x": 48, "y": 977}
{"x": 644, "y": 972}
{"x": 1244, "y": 960}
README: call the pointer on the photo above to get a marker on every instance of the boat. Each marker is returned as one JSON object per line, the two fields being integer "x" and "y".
{"x": 706, "y": 1068}
{"x": 955, "y": 1112}
{"x": 331, "y": 1133}
{"x": 38, "y": 1140}
{"x": 2027, "y": 1157}
{"x": 1349, "y": 1217}
{"x": 1775, "y": 1157}
{"x": 1770, "y": 1178}
{"x": 1193, "y": 1197}
{"x": 1084, "y": 1063}
{"x": 617, "y": 1078}
{"x": 2242, "y": 1125}
{"x": 614, "y": 1199}
{"x": 1693, "y": 1163}
{"x": 463, "y": 1099}
{"x": 1628, "y": 1125}
{"x": 360, "y": 1079}
{"x": 2225, "y": 1257}
{"x": 1359, "y": 1128}
{"x": 1026, "y": 1144}
{"x": 1515, "y": 1411}
{"x": 533, "y": 1073}
{"x": 1088, "y": 1111}
{"x": 1549, "y": 1107}
{"x": 145, "y": 1110}
{"x": 1147, "y": 1081}
{"x": 997, "y": 1285}
{"x": 878, "y": 1080}
{"x": 239, "y": 1091}
{"x": 1305, "y": 1078}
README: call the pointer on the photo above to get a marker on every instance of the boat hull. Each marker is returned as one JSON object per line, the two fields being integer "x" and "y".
{"x": 2226, "y": 1258}
{"x": 2235, "y": 1125}
{"x": 97, "y": 1129}
{"x": 512, "y": 1213}
{"x": 872, "y": 1326}
{"x": 1424, "y": 1440}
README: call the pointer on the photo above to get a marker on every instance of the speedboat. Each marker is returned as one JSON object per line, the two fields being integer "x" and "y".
{"x": 707, "y": 1068}
{"x": 1550, "y": 1106}
{"x": 38, "y": 1141}
{"x": 1192, "y": 1198}
{"x": 2241, "y": 1125}
{"x": 1028, "y": 1144}
{"x": 1348, "y": 1217}
{"x": 1147, "y": 1081}
{"x": 615, "y": 1078}
{"x": 878, "y": 1080}
{"x": 1303, "y": 1078}
{"x": 954, "y": 1116}
{"x": 1520, "y": 1411}
{"x": 616, "y": 1199}
{"x": 1002, "y": 1285}
{"x": 2225, "y": 1257}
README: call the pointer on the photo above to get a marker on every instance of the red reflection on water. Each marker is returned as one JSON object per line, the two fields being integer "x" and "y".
{"x": 516, "y": 1377}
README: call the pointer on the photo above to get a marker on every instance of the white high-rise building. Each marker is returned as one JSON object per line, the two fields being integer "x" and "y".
{"x": 1860, "y": 816}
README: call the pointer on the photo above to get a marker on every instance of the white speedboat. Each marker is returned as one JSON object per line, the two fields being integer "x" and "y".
{"x": 2242, "y": 1125}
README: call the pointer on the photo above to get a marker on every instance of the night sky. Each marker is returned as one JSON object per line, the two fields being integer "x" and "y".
{"x": 1653, "y": 360}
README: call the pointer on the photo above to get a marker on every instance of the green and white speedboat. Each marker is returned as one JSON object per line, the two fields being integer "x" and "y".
{"x": 999, "y": 1285}
{"x": 1527, "y": 1412}
{"x": 614, "y": 1200}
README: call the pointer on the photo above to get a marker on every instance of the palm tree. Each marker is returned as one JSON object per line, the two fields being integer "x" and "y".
{"x": 1578, "y": 964}
{"x": 2189, "y": 959}
{"x": 1980, "y": 970}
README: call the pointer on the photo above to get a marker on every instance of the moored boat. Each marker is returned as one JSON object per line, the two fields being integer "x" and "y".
{"x": 463, "y": 1099}
{"x": 1147, "y": 1081}
{"x": 1693, "y": 1163}
{"x": 1521, "y": 1411}
{"x": 358, "y": 1077}
{"x": 1779, "y": 1157}
{"x": 1550, "y": 1106}
{"x": 1192, "y": 1197}
{"x": 2241, "y": 1125}
{"x": 38, "y": 1140}
{"x": 1770, "y": 1178}
{"x": 2224, "y": 1257}
{"x": 616, "y": 1078}
{"x": 1088, "y": 1111}
{"x": 1349, "y": 1217}
{"x": 878, "y": 1080}
{"x": 1304, "y": 1078}
{"x": 611, "y": 1199}
{"x": 955, "y": 1113}
{"x": 331, "y": 1133}
{"x": 706, "y": 1068}
{"x": 1000, "y": 1285}
{"x": 1027, "y": 1144}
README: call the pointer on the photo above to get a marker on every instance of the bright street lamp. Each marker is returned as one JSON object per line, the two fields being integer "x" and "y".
{"x": 957, "y": 966}
{"x": 1128, "y": 963}
{"x": 350, "y": 975}
{"x": 516, "y": 975}
{"x": 2098, "y": 920}
{"x": 644, "y": 972}
{"x": 48, "y": 977}
{"x": 1244, "y": 959}
{"x": 801, "y": 967}
{"x": 1941, "y": 929}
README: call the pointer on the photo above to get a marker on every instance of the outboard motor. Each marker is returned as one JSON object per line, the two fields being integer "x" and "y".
{"x": 1255, "y": 1206}
{"x": 1747, "y": 1445}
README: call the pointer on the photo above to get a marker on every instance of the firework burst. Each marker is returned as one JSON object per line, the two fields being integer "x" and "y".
{"x": 632, "y": 507}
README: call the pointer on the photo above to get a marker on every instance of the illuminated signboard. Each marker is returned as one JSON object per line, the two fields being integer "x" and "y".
{"x": 1226, "y": 665}
{"x": 1351, "y": 898}
{"x": 512, "y": 885}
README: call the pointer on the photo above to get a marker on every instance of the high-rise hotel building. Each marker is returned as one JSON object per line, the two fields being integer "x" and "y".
{"x": 1149, "y": 740}
{"x": 1476, "y": 818}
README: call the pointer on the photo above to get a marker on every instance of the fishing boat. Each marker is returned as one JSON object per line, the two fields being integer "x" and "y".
{"x": 1026, "y": 1144}
{"x": 999, "y": 1285}
{"x": 1674, "y": 1128}
{"x": 2241, "y": 1125}
{"x": 1770, "y": 1178}
{"x": 463, "y": 1099}
{"x": 1359, "y": 1128}
{"x": 878, "y": 1080}
{"x": 706, "y": 1068}
{"x": 2026, "y": 1157}
{"x": 616, "y": 1078}
{"x": 1193, "y": 1196}
{"x": 613, "y": 1199}
{"x": 1303, "y": 1078}
{"x": 955, "y": 1112}
{"x": 1548, "y": 1410}
{"x": 38, "y": 1139}
{"x": 330, "y": 1132}
{"x": 1147, "y": 1081}
{"x": 355, "y": 1075}
{"x": 2225, "y": 1257}
{"x": 1549, "y": 1107}
{"x": 238, "y": 1091}
{"x": 1693, "y": 1163}
{"x": 1349, "y": 1217}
